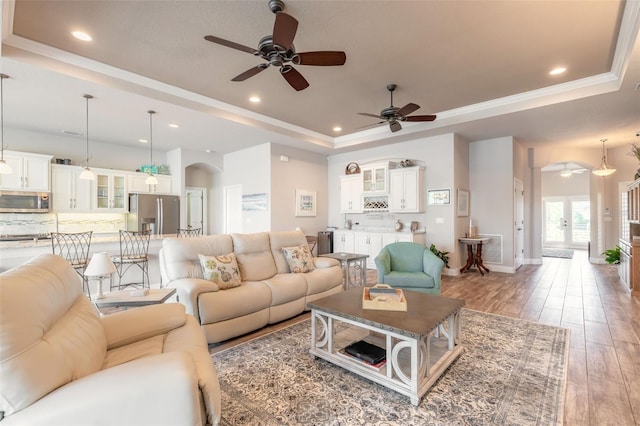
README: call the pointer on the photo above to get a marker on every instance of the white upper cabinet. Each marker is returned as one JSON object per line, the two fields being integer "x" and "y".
{"x": 69, "y": 193}
{"x": 351, "y": 194}
{"x": 375, "y": 177}
{"x": 406, "y": 190}
{"x": 137, "y": 183}
{"x": 111, "y": 191}
{"x": 30, "y": 172}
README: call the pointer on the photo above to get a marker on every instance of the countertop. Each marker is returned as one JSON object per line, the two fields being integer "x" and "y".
{"x": 95, "y": 239}
{"x": 383, "y": 230}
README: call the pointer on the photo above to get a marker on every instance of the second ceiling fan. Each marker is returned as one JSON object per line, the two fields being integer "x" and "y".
{"x": 394, "y": 115}
{"x": 278, "y": 50}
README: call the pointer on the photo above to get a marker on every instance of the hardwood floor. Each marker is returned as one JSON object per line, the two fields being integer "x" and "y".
{"x": 603, "y": 382}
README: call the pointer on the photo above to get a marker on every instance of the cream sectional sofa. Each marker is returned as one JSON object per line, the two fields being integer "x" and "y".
{"x": 61, "y": 363}
{"x": 269, "y": 292}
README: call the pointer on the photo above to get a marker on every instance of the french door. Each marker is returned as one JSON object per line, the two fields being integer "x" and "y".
{"x": 566, "y": 222}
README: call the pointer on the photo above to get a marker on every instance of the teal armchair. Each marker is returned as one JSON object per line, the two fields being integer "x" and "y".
{"x": 410, "y": 266}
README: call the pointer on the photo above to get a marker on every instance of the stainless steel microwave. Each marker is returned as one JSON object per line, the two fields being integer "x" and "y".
{"x": 24, "y": 202}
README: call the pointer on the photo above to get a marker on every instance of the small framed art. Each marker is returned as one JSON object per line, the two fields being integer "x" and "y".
{"x": 463, "y": 203}
{"x": 438, "y": 196}
{"x": 305, "y": 202}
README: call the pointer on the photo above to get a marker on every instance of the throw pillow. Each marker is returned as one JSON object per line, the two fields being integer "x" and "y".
{"x": 222, "y": 270}
{"x": 299, "y": 259}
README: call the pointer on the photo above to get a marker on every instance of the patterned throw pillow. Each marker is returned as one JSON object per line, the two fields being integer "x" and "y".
{"x": 222, "y": 270}
{"x": 299, "y": 259}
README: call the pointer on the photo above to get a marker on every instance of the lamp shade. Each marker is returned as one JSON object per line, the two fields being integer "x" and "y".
{"x": 5, "y": 169}
{"x": 151, "y": 180}
{"x": 100, "y": 265}
{"x": 87, "y": 174}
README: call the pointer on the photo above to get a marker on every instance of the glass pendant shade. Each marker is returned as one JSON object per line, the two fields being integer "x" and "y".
{"x": 5, "y": 169}
{"x": 604, "y": 169}
{"x": 151, "y": 180}
{"x": 86, "y": 173}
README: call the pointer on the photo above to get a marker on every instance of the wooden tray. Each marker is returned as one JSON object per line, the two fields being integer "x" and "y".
{"x": 381, "y": 302}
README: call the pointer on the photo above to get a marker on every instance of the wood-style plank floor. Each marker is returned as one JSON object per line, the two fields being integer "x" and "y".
{"x": 603, "y": 383}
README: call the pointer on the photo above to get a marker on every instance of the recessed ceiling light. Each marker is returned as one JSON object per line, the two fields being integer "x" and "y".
{"x": 207, "y": 150}
{"x": 558, "y": 70}
{"x": 72, "y": 133}
{"x": 254, "y": 99}
{"x": 173, "y": 126}
{"x": 337, "y": 129}
{"x": 143, "y": 141}
{"x": 81, "y": 35}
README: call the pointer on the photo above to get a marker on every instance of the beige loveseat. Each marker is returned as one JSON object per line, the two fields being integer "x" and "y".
{"x": 269, "y": 292}
{"x": 62, "y": 364}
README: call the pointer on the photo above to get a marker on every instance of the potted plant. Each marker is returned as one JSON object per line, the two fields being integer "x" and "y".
{"x": 635, "y": 152}
{"x": 612, "y": 256}
{"x": 444, "y": 255}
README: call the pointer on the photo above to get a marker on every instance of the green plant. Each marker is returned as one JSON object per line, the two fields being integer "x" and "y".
{"x": 635, "y": 151}
{"x": 444, "y": 255}
{"x": 612, "y": 256}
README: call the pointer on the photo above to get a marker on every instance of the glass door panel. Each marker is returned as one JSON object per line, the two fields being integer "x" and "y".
{"x": 580, "y": 221}
{"x": 554, "y": 223}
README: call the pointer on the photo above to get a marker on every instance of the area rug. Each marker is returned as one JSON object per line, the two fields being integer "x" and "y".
{"x": 512, "y": 372}
{"x": 557, "y": 252}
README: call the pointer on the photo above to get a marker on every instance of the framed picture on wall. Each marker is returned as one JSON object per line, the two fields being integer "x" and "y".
{"x": 305, "y": 202}
{"x": 439, "y": 196}
{"x": 463, "y": 203}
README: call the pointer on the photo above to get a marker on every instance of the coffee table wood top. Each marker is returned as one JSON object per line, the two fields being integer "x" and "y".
{"x": 424, "y": 311}
{"x": 123, "y": 298}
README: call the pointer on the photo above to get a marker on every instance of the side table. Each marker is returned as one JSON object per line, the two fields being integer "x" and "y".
{"x": 122, "y": 298}
{"x": 354, "y": 268}
{"x": 474, "y": 257}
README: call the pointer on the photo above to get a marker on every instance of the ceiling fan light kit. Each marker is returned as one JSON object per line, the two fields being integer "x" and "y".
{"x": 278, "y": 50}
{"x": 393, "y": 115}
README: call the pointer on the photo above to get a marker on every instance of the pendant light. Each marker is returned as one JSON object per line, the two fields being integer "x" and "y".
{"x": 86, "y": 173}
{"x": 151, "y": 179}
{"x": 5, "y": 169}
{"x": 604, "y": 169}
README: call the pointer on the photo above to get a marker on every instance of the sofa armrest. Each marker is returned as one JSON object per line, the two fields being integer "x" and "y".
{"x": 154, "y": 390}
{"x": 325, "y": 262}
{"x": 125, "y": 327}
{"x": 383, "y": 264}
{"x": 189, "y": 289}
{"x": 432, "y": 265}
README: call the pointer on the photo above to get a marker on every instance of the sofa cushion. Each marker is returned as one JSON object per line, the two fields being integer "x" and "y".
{"x": 180, "y": 255}
{"x": 299, "y": 259}
{"x": 250, "y": 297}
{"x": 281, "y": 239}
{"x": 286, "y": 287}
{"x": 322, "y": 279}
{"x": 254, "y": 256}
{"x": 50, "y": 333}
{"x": 222, "y": 270}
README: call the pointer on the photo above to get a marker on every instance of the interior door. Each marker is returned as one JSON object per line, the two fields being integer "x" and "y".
{"x": 195, "y": 208}
{"x": 567, "y": 222}
{"x": 518, "y": 215}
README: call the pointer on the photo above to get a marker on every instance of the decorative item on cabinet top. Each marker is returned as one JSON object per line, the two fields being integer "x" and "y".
{"x": 352, "y": 169}
{"x": 407, "y": 163}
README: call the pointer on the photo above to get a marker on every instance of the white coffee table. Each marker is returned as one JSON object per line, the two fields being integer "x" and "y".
{"x": 420, "y": 343}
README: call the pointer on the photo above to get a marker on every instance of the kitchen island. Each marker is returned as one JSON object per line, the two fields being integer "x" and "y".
{"x": 14, "y": 253}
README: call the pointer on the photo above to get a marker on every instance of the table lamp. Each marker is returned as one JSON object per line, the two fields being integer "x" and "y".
{"x": 100, "y": 267}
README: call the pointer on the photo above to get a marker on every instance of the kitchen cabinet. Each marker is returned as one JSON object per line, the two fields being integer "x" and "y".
{"x": 110, "y": 191}
{"x": 633, "y": 202}
{"x": 30, "y": 172}
{"x": 388, "y": 238}
{"x": 137, "y": 183}
{"x": 351, "y": 194}
{"x": 68, "y": 192}
{"x": 406, "y": 190}
{"x": 375, "y": 177}
{"x": 344, "y": 242}
{"x": 369, "y": 243}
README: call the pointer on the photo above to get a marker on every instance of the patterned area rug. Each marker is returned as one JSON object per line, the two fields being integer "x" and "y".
{"x": 557, "y": 252}
{"x": 511, "y": 372}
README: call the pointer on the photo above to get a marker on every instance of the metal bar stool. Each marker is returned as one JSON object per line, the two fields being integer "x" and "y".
{"x": 134, "y": 251}
{"x": 74, "y": 248}
{"x": 189, "y": 232}
{"x": 312, "y": 241}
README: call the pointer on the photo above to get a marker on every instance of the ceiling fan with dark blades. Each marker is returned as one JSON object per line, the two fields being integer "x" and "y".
{"x": 278, "y": 50}
{"x": 394, "y": 115}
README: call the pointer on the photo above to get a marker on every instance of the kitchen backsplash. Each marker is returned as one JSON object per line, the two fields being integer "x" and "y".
{"x": 30, "y": 223}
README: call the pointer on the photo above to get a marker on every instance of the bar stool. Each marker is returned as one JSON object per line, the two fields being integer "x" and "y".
{"x": 134, "y": 251}
{"x": 312, "y": 241}
{"x": 74, "y": 248}
{"x": 189, "y": 232}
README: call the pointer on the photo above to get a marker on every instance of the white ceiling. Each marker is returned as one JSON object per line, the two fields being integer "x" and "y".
{"x": 481, "y": 66}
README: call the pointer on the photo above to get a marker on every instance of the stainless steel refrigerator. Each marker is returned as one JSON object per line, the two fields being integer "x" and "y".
{"x": 158, "y": 214}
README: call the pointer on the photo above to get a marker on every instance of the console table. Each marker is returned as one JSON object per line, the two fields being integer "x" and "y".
{"x": 474, "y": 254}
{"x": 354, "y": 268}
